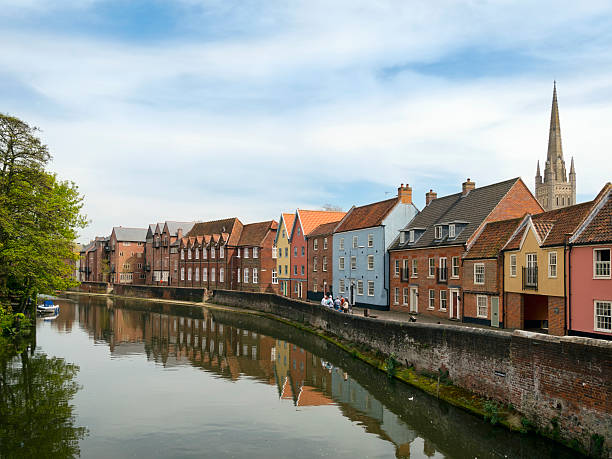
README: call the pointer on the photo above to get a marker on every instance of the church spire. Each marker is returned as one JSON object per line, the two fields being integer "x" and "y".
{"x": 554, "y": 135}
{"x": 572, "y": 171}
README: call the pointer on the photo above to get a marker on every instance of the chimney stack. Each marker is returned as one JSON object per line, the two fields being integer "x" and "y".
{"x": 179, "y": 233}
{"x": 430, "y": 196}
{"x": 467, "y": 187}
{"x": 404, "y": 194}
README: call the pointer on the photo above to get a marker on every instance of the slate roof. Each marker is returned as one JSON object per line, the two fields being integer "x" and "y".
{"x": 233, "y": 226}
{"x": 492, "y": 239}
{"x": 130, "y": 234}
{"x": 310, "y": 219}
{"x": 323, "y": 230}
{"x": 173, "y": 227}
{"x": 253, "y": 234}
{"x": 367, "y": 216}
{"x": 598, "y": 228}
{"x": 473, "y": 208}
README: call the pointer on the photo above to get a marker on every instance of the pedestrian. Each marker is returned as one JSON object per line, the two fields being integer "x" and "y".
{"x": 337, "y": 304}
{"x": 324, "y": 300}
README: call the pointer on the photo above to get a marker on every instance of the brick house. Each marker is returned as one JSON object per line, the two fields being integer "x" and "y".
{"x": 535, "y": 275}
{"x": 425, "y": 266}
{"x": 360, "y": 244}
{"x": 320, "y": 260}
{"x": 94, "y": 261}
{"x": 589, "y": 306}
{"x": 126, "y": 258}
{"x": 482, "y": 274}
{"x": 206, "y": 256}
{"x": 158, "y": 248}
{"x": 304, "y": 223}
{"x": 255, "y": 263}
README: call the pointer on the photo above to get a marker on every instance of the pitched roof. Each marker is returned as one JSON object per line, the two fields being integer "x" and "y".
{"x": 288, "y": 220}
{"x": 253, "y": 234}
{"x": 323, "y": 230}
{"x": 598, "y": 226}
{"x": 173, "y": 227}
{"x": 130, "y": 234}
{"x": 367, "y": 216}
{"x": 492, "y": 238}
{"x": 310, "y": 219}
{"x": 472, "y": 208}
{"x": 233, "y": 226}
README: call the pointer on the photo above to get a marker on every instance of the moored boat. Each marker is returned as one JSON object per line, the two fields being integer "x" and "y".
{"x": 48, "y": 306}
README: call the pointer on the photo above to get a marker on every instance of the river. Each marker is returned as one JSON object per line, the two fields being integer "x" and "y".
{"x": 126, "y": 378}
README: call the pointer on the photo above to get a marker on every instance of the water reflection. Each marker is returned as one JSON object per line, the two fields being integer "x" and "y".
{"x": 306, "y": 372}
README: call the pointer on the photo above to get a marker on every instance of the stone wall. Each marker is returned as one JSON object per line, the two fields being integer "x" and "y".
{"x": 94, "y": 287}
{"x": 561, "y": 384}
{"x": 145, "y": 291}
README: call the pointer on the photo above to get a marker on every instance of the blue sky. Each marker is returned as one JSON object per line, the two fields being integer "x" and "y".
{"x": 196, "y": 110}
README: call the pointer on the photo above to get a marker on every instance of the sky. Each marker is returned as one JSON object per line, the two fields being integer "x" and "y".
{"x": 206, "y": 109}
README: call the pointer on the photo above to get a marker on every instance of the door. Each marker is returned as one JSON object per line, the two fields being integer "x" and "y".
{"x": 300, "y": 289}
{"x": 494, "y": 311}
{"x": 454, "y": 303}
{"x": 414, "y": 299}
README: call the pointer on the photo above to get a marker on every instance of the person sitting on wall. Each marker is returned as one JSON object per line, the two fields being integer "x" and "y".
{"x": 337, "y": 304}
{"x": 324, "y": 300}
{"x": 330, "y": 302}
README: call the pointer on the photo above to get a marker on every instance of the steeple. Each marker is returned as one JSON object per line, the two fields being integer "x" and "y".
{"x": 538, "y": 175}
{"x": 555, "y": 151}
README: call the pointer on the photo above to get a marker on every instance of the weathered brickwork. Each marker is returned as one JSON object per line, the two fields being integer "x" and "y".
{"x": 514, "y": 317}
{"x": 491, "y": 288}
{"x": 516, "y": 203}
{"x": 320, "y": 272}
{"x": 556, "y": 315}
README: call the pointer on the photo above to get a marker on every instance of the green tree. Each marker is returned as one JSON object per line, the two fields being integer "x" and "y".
{"x": 39, "y": 217}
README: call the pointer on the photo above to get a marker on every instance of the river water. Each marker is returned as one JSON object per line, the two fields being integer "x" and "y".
{"x": 115, "y": 378}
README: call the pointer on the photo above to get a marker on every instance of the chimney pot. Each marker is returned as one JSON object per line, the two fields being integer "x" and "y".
{"x": 430, "y": 196}
{"x": 467, "y": 186}
{"x": 404, "y": 194}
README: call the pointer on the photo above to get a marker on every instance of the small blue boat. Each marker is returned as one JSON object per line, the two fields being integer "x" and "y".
{"x": 48, "y": 306}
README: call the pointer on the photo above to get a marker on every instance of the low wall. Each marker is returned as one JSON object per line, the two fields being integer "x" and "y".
{"x": 145, "y": 291}
{"x": 561, "y": 384}
{"x": 94, "y": 287}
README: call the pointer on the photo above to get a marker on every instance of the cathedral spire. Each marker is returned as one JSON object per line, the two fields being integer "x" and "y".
{"x": 538, "y": 171}
{"x": 572, "y": 171}
{"x": 554, "y": 135}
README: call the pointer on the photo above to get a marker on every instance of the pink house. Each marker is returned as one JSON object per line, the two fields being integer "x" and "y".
{"x": 590, "y": 278}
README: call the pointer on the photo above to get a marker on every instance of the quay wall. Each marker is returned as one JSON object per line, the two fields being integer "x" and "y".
{"x": 562, "y": 385}
{"x": 146, "y": 291}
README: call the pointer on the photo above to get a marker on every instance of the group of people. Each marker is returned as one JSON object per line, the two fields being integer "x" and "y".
{"x": 339, "y": 304}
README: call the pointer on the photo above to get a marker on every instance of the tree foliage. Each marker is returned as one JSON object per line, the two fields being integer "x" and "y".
{"x": 39, "y": 217}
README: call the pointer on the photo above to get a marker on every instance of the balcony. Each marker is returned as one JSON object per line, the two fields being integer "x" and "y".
{"x": 442, "y": 275}
{"x": 530, "y": 278}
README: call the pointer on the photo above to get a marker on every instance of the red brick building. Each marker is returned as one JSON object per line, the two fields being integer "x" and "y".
{"x": 320, "y": 265}
{"x": 126, "y": 258}
{"x": 94, "y": 261}
{"x": 158, "y": 248}
{"x": 425, "y": 260}
{"x": 255, "y": 263}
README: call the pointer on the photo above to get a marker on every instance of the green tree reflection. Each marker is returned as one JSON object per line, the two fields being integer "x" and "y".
{"x": 36, "y": 415}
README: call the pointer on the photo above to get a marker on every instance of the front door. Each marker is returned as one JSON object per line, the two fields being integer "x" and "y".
{"x": 454, "y": 303}
{"x": 494, "y": 311}
{"x": 414, "y": 299}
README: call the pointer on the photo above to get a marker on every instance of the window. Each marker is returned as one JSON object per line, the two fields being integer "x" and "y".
{"x": 370, "y": 288}
{"x": 601, "y": 261}
{"x": 341, "y": 286}
{"x": 603, "y": 316}
{"x": 238, "y": 252}
{"x": 341, "y": 244}
{"x": 139, "y": 265}
{"x": 204, "y": 274}
{"x": 325, "y": 243}
{"x": 246, "y": 275}
{"x": 274, "y": 277}
{"x": 189, "y": 254}
{"x": 442, "y": 300}
{"x": 286, "y": 270}
{"x": 411, "y": 236}
{"x": 432, "y": 267}
{"x": 324, "y": 264}
{"x": 204, "y": 253}
{"x": 438, "y": 232}
{"x": 239, "y": 278}
{"x": 182, "y": 274}
{"x": 442, "y": 275}
{"x": 295, "y": 251}
{"x": 341, "y": 263}
{"x": 302, "y": 250}
{"x": 406, "y": 269}
{"x": 396, "y": 296}
{"x": 213, "y": 253}
{"x": 182, "y": 254}
{"x": 479, "y": 273}
{"x": 222, "y": 251}
{"x": 371, "y": 262}
{"x": 455, "y": 267}
{"x": 552, "y": 264}
{"x": 315, "y": 244}
{"x": 295, "y": 288}
{"x": 353, "y": 262}
{"x": 197, "y": 274}
{"x": 513, "y": 265}
{"x": 255, "y": 276}
{"x": 354, "y": 242}
{"x": 295, "y": 270}
{"x": 314, "y": 264}
{"x": 451, "y": 230}
{"x": 405, "y": 296}
{"x": 302, "y": 270}
{"x": 359, "y": 287}
{"x": 221, "y": 274}
{"x": 126, "y": 244}
{"x": 286, "y": 251}
{"x": 189, "y": 274}
{"x": 482, "y": 306}
{"x": 212, "y": 274}
{"x": 245, "y": 252}
{"x": 415, "y": 271}
{"x": 284, "y": 234}
{"x": 255, "y": 252}
{"x": 197, "y": 253}
{"x": 432, "y": 299}
{"x": 370, "y": 240}
{"x": 397, "y": 268}
{"x": 402, "y": 237}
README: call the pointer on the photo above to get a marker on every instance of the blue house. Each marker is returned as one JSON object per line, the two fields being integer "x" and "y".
{"x": 360, "y": 244}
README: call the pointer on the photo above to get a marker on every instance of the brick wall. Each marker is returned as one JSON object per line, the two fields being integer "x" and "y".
{"x": 556, "y": 315}
{"x": 514, "y": 310}
{"x": 517, "y": 202}
{"x": 550, "y": 379}
{"x": 319, "y": 277}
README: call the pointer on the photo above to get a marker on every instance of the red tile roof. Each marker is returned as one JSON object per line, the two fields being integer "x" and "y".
{"x": 367, "y": 216}
{"x": 253, "y": 234}
{"x": 599, "y": 226}
{"x": 232, "y": 226}
{"x": 493, "y": 238}
{"x": 310, "y": 219}
{"x": 323, "y": 230}
{"x": 288, "y": 220}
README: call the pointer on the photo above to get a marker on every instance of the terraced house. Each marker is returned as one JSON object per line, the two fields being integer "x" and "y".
{"x": 282, "y": 249}
{"x": 304, "y": 222}
{"x": 320, "y": 260}
{"x": 426, "y": 275}
{"x": 360, "y": 244}
{"x": 254, "y": 263}
{"x": 126, "y": 257}
{"x": 93, "y": 261}
{"x": 160, "y": 238}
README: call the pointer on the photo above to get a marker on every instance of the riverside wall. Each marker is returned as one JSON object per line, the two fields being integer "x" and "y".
{"x": 562, "y": 385}
{"x": 196, "y": 295}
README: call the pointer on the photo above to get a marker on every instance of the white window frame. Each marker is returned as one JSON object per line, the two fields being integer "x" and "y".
{"x": 405, "y": 296}
{"x": 204, "y": 253}
{"x": 341, "y": 244}
{"x": 479, "y": 314}
{"x": 197, "y": 253}
{"x": 432, "y": 299}
{"x": 477, "y": 266}
{"x": 315, "y": 244}
{"x": 402, "y": 237}
{"x": 552, "y": 264}
{"x": 353, "y": 263}
{"x": 245, "y": 275}
{"x": 245, "y": 252}
{"x": 370, "y": 262}
{"x": 440, "y": 263}
{"x": 197, "y": 274}
{"x": 324, "y": 243}
{"x": 432, "y": 268}
{"x": 314, "y": 264}
{"x": 222, "y": 251}
{"x": 455, "y": 264}
{"x": 355, "y": 241}
{"x": 341, "y": 286}
{"x": 204, "y": 274}
{"x": 274, "y": 277}
{"x": 213, "y": 252}
{"x": 443, "y": 301}
{"x": 221, "y": 274}
{"x": 212, "y": 274}
{"x": 396, "y": 273}
{"x": 255, "y": 276}
{"x": 603, "y": 265}
{"x": 411, "y": 236}
{"x": 513, "y": 265}
{"x": 239, "y": 278}
{"x": 324, "y": 267}
{"x": 188, "y": 274}
{"x": 603, "y": 304}
{"x": 414, "y": 272}
{"x": 370, "y": 240}
{"x": 273, "y": 252}
{"x": 360, "y": 287}
{"x": 182, "y": 273}
{"x": 451, "y": 230}
{"x": 396, "y": 296}
{"x": 371, "y": 289}
{"x": 182, "y": 254}
{"x": 438, "y": 231}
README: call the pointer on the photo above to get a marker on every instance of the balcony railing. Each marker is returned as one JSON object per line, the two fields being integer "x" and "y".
{"x": 530, "y": 278}
{"x": 442, "y": 275}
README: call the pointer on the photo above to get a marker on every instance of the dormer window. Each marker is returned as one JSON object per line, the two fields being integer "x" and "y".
{"x": 411, "y": 236}
{"x": 451, "y": 230}
{"x": 402, "y": 237}
{"x": 438, "y": 232}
